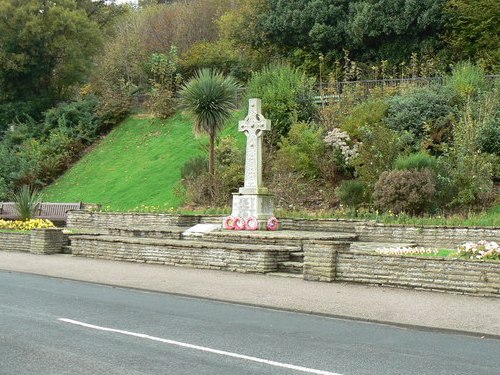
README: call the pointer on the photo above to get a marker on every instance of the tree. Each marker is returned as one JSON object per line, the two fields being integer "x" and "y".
{"x": 45, "y": 48}
{"x": 370, "y": 29}
{"x": 473, "y": 31}
{"x": 210, "y": 97}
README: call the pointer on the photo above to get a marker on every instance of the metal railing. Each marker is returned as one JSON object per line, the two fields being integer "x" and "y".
{"x": 335, "y": 90}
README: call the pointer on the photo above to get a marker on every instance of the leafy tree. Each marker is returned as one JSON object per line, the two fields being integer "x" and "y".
{"x": 371, "y": 29}
{"x": 473, "y": 31}
{"x": 46, "y": 47}
{"x": 210, "y": 97}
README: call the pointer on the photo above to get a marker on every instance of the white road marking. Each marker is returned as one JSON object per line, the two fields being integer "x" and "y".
{"x": 201, "y": 348}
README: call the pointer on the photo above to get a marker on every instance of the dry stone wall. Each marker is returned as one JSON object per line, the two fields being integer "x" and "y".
{"x": 428, "y": 236}
{"x": 37, "y": 241}
{"x": 188, "y": 253}
{"x": 438, "y": 274}
{"x": 11, "y": 241}
{"x": 105, "y": 220}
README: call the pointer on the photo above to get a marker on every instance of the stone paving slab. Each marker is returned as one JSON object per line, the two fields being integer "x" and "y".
{"x": 429, "y": 310}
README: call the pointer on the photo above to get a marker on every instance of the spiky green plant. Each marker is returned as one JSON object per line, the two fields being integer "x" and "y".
{"x": 210, "y": 97}
{"x": 26, "y": 202}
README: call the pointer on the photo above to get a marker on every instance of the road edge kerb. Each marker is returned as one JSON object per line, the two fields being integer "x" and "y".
{"x": 481, "y": 335}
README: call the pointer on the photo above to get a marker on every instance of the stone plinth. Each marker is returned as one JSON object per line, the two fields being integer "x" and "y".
{"x": 260, "y": 206}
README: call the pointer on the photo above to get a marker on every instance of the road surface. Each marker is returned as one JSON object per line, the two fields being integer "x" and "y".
{"x": 54, "y": 326}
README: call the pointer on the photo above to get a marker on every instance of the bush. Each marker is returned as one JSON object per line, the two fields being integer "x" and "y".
{"x": 287, "y": 97}
{"x": 301, "y": 151}
{"x": 161, "y": 101}
{"x": 194, "y": 167}
{"x": 229, "y": 176}
{"x": 467, "y": 80}
{"x": 367, "y": 113}
{"x": 419, "y": 160}
{"x": 489, "y": 136}
{"x": 164, "y": 81}
{"x": 423, "y": 113}
{"x": 14, "y": 111}
{"x": 351, "y": 193}
{"x": 379, "y": 149}
{"x": 77, "y": 119}
{"x": 471, "y": 179}
{"x": 115, "y": 103}
{"x": 409, "y": 191}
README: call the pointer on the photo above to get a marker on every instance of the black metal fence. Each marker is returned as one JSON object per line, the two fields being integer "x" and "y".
{"x": 335, "y": 91}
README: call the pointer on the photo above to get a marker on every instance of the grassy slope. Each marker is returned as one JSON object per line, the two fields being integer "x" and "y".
{"x": 138, "y": 163}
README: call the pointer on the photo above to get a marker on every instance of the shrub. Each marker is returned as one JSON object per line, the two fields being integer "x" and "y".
{"x": 194, "y": 167}
{"x": 471, "y": 180}
{"x": 423, "y": 113}
{"x": 115, "y": 103}
{"x": 13, "y": 111}
{"x": 466, "y": 80}
{"x": 77, "y": 119}
{"x": 287, "y": 97}
{"x": 351, "y": 193}
{"x": 470, "y": 171}
{"x": 379, "y": 149}
{"x": 489, "y": 136}
{"x": 26, "y": 202}
{"x": 164, "y": 82}
{"x": 419, "y": 160}
{"x": 410, "y": 191}
{"x": 229, "y": 176}
{"x": 301, "y": 151}
{"x": 161, "y": 101}
{"x": 367, "y": 113}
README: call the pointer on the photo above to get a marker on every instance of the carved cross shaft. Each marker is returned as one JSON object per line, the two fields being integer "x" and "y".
{"x": 254, "y": 126}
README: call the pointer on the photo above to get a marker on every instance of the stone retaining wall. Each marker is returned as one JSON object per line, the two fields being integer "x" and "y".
{"x": 428, "y": 236}
{"x": 104, "y": 220}
{"x": 230, "y": 257}
{"x": 38, "y": 241}
{"x": 437, "y": 274}
{"x": 12, "y": 241}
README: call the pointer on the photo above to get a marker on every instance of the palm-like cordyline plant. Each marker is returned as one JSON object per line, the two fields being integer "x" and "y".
{"x": 210, "y": 97}
{"x": 26, "y": 202}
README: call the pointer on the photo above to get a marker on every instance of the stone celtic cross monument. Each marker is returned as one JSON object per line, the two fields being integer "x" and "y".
{"x": 253, "y": 199}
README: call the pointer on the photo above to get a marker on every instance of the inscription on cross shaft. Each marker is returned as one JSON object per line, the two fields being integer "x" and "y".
{"x": 254, "y": 126}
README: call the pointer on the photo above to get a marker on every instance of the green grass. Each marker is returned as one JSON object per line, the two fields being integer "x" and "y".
{"x": 137, "y": 164}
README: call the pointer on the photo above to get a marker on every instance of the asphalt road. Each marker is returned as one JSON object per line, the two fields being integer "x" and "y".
{"x": 54, "y": 326}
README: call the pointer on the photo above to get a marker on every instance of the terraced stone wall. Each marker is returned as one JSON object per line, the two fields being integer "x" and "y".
{"x": 196, "y": 254}
{"x": 428, "y": 236}
{"x": 104, "y": 220}
{"x": 437, "y": 274}
{"x": 15, "y": 241}
{"x": 38, "y": 241}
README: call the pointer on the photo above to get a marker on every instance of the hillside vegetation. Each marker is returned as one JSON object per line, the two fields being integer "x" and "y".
{"x": 138, "y": 163}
